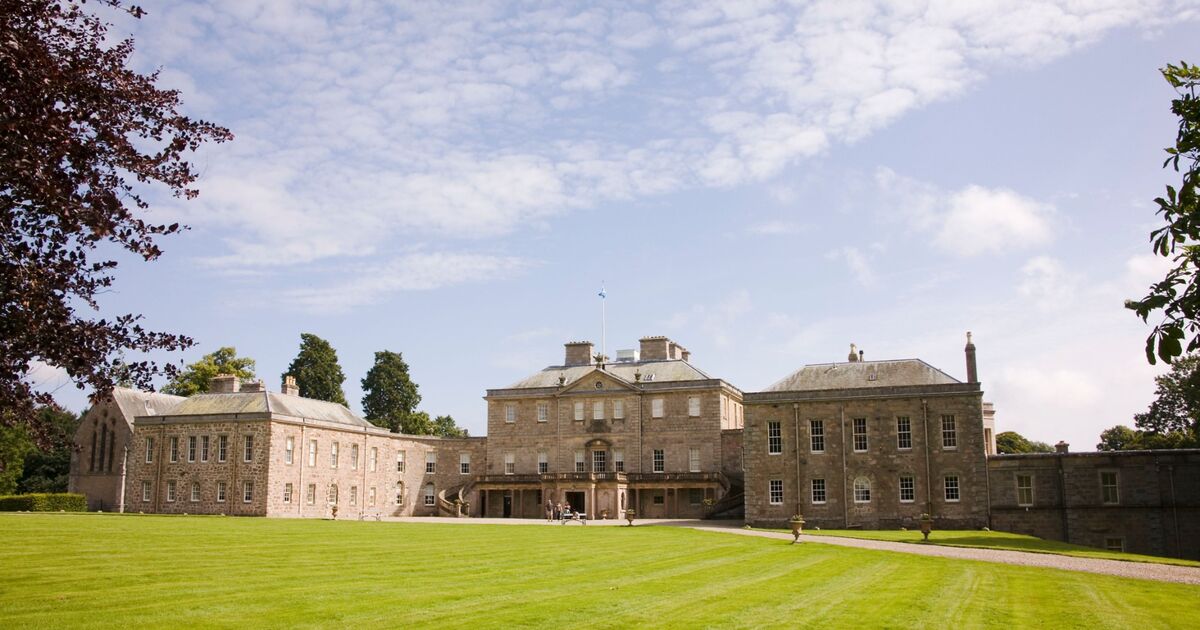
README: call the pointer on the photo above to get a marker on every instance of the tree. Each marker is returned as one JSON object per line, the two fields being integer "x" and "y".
{"x": 446, "y": 427}
{"x": 1177, "y": 295}
{"x": 84, "y": 141}
{"x": 390, "y": 396}
{"x": 14, "y": 446}
{"x": 1010, "y": 442}
{"x": 417, "y": 423}
{"x": 317, "y": 372}
{"x": 1119, "y": 438}
{"x": 195, "y": 378}
{"x": 48, "y": 469}
{"x": 1176, "y": 406}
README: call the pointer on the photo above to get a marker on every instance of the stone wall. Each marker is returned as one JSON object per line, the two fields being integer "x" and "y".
{"x": 1156, "y": 511}
{"x": 98, "y": 457}
{"x": 882, "y": 464}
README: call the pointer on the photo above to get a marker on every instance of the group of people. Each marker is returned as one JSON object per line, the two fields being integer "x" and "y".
{"x": 557, "y": 511}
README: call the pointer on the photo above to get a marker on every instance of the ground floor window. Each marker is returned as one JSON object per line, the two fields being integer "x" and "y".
{"x": 333, "y": 494}
{"x": 952, "y": 488}
{"x": 1114, "y": 544}
{"x": 353, "y": 495}
{"x": 429, "y": 495}
{"x": 220, "y": 492}
{"x": 695, "y": 496}
{"x": 195, "y": 493}
{"x": 908, "y": 489}
{"x": 659, "y": 499}
{"x": 1024, "y": 490}
{"x": 287, "y": 493}
{"x": 775, "y": 491}
{"x": 171, "y": 491}
{"x": 371, "y": 497}
{"x": 862, "y": 490}
{"x": 247, "y": 491}
{"x": 818, "y": 491}
{"x": 399, "y": 493}
{"x": 311, "y": 497}
{"x": 145, "y": 492}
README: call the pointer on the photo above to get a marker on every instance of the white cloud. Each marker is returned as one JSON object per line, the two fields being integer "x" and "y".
{"x": 1048, "y": 283}
{"x": 857, "y": 262}
{"x": 717, "y": 322}
{"x": 357, "y": 122}
{"x": 775, "y": 228}
{"x": 363, "y": 285}
{"x": 971, "y": 221}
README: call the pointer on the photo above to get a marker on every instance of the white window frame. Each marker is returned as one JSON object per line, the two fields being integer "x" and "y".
{"x": 194, "y": 496}
{"x": 856, "y": 425}
{"x": 911, "y": 488}
{"x": 401, "y": 461}
{"x": 353, "y": 457}
{"x": 580, "y": 461}
{"x": 353, "y": 496}
{"x": 618, "y": 410}
{"x": 171, "y": 491}
{"x": 543, "y": 412}
{"x": 656, "y": 408}
{"x": 312, "y": 453}
{"x": 658, "y": 461}
{"x": 862, "y": 492}
{"x": 950, "y": 482}
{"x": 149, "y": 450}
{"x": 816, "y": 435}
{"x": 371, "y": 497}
{"x": 1022, "y": 489}
{"x": 510, "y": 464}
{"x": 1115, "y": 486}
{"x": 903, "y": 433}
{"x": 599, "y": 461}
{"x": 693, "y": 406}
{"x": 510, "y": 413}
{"x": 191, "y": 452}
{"x": 373, "y": 463}
{"x": 431, "y": 463}
{"x": 618, "y": 460}
{"x": 248, "y": 450}
{"x": 287, "y": 492}
{"x": 289, "y": 450}
{"x": 543, "y": 462}
{"x": 220, "y": 492}
{"x": 247, "y": 491}
{"x": 174, "y": 450}
{"x": 579, "y": 411}
{"x": 775, "y": 491}
{"x": 464, "y": 463}
{"x": 949, "y": 432}
{"x": 204, "y": 449}
{"x": 774, "y": 438}
{"x": 694, "y": 460}
{"x": 430, "y": 493}
{"x": 598, "y": 410}
{"x": 816, "y": 486}
{"x": 146, "y": 491}
{"x": 333, "y": 455}
{"x": 222, "y": 448}
{"x": 310, "y": 496}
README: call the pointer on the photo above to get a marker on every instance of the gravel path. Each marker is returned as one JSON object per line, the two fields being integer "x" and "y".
{"x": 1139, "y": 570}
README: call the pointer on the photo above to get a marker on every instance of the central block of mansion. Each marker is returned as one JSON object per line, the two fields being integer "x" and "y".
{"x": 857, "y": 443}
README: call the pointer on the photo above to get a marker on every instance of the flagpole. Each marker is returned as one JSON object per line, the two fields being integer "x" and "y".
{"x": 603, "y": 318}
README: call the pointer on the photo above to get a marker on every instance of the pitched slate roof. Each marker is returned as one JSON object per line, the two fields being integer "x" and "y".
{"x": 862, "y": 374}
{"x": 265, "y": 402}
{"x": 652, "y": 372}
{"x": 133, "y": 402}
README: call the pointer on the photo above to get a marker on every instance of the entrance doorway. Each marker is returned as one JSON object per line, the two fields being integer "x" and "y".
{"x": 507, "y": 505}
{"x": 577, "y": 502}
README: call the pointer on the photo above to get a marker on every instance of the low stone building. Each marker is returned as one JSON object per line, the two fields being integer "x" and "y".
{"x": 1137, "y": 501}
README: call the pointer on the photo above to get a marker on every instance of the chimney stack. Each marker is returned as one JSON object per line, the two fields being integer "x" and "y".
{"x": 853, "y": 358}
{"x": 578, "y": 353}
{"x": 289, "y": 386}
{"x": 972, "y": 374}
{"x": 1062, "y": 447}
{"x": 655, "y": 348}
{"x": 224, "y": 384}
{"x": 253, "y": 386}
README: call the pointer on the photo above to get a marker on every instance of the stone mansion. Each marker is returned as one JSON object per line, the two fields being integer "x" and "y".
{"x": 856, "y": 443}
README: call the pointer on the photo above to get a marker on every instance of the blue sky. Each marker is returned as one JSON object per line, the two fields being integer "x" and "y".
{"x": 764, "y": 182}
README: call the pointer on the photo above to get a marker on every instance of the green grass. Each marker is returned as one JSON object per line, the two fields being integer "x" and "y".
{"x": 997, "y": 540}
{"x": 136, "y": 571}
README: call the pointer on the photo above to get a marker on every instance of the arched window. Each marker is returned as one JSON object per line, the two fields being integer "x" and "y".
{"x": 429, "y": 501}
{"x": 333, "y": 494}
{"x": 112, "y": 447}
{"x": 399, "y": 493}
{"x": 862, "y": 490}
{"x": 103, "y": 445}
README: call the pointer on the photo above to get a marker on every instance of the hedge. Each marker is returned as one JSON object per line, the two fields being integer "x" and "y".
{"x": 43, "y": 503}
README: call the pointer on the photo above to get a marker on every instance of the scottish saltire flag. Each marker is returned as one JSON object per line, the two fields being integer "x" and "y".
{"x": 602, "y": 294}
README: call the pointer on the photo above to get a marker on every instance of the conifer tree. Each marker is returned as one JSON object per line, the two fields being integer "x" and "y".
{"x": 317, "y": 372}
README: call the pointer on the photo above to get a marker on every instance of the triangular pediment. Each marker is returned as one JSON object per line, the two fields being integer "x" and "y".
{"x": 597, "y": 381}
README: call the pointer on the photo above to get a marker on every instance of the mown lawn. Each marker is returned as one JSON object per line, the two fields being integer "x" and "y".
{"x": 83, "y": 570}
{"x": 997, "y": 540}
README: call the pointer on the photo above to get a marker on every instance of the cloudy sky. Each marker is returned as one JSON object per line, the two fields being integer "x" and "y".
{"x": 765, "y": 182}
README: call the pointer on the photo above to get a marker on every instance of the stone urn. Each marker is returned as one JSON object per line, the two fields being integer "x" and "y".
{"x": 604, "y": 514}
{"x": 333, "y": 509}
{"x": 629, "y": 514}
{"x": 797, "y": 525}
{"x": 926, "y": 525}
